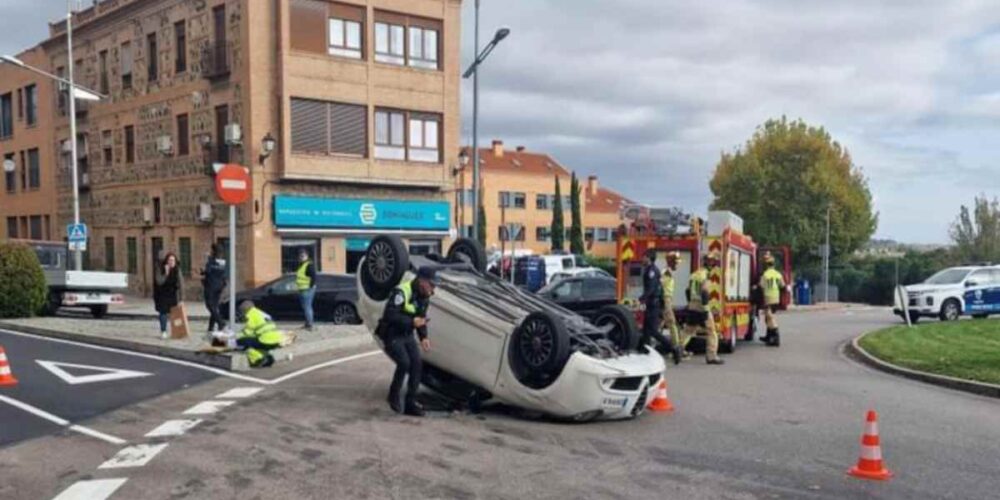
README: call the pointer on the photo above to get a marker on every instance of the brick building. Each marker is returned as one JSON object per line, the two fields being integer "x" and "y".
{"x": 362, "y": 97}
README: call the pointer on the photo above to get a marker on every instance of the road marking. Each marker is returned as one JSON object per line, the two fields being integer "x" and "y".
{"x": 173, "y": 428}
{"x": 97, "y": 489}
{"x": 133, "y": 456}
{"x": 240, "y": 392}
{"x": 320, "y": 366}
{"x": 107, "y": 374}
{"x": 208, "y": 407}
{"x": 60, "y": 421}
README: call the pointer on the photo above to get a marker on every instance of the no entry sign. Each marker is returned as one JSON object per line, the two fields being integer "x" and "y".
{"x": 232, "y": 183}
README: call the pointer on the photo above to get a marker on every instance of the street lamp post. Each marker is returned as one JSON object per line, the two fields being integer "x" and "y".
{"x": 826, "y": 258}
{"x": 473, "y": 71}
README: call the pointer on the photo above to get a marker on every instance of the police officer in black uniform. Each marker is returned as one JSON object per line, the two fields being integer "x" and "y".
{"x": 652, "y": 298}
{"x": 406, "y": 312}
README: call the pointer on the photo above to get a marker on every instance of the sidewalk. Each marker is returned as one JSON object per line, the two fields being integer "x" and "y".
{"x": 135, "y": 334}
{"x": 143, "y": 307}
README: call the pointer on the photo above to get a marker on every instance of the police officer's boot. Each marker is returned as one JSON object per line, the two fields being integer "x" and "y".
{"x": 412, "y": 407}
{"x": 775, "y": 339}
{"x": 394, "y": 403}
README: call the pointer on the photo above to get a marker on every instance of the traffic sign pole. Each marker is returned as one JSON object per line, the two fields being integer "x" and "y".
{"x": 232, "y": 184}
{"x": 232, "y": 267}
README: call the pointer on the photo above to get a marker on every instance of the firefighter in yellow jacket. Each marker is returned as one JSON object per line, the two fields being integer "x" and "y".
{"x": 772, "y": 283}
{"x": 700, "y": 319}
{"x": 669, "y": 318}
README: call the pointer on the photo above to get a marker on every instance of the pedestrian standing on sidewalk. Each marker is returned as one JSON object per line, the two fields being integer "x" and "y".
{"x": 167, "y": 290}
{"x": 214, "y": 282}
{"x": 305, "y": 280}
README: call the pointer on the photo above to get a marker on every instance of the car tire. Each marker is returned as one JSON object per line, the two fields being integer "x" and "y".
{"x": 951, "y": 310}
{"x": 624, "y": 334}
{"x": 344, "y": 314}
{"x": 914, "y": 317}
{"x": 539, "y": 349}
{"x": 52, "y": 304}
{"x": 469, "y": 251}
{"x": 385, "y": 262}
{"x": 99, "y": 312}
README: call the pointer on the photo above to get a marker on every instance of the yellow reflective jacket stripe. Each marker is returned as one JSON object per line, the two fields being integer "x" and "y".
{"x": 260, "y": 326}
{"x": 695, "y": 285}
{"x": 301, "y": 278}
{"x": 407, "y": 288}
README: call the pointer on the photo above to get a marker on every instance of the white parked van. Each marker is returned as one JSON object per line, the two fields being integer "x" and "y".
{"x": 942, "y": 295}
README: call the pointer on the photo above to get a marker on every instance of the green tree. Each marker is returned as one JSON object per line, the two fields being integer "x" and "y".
{"x": 482, "y": 225}
{"x": 976, "y": 232}
{"x": 576, "y": 227}
{"x": 22, "y": 283}
{"x": 782, "y": 181}
{"x": 558, "y": 226}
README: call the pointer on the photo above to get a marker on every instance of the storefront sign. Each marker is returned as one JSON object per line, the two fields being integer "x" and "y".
{"x": 360, "y": 214}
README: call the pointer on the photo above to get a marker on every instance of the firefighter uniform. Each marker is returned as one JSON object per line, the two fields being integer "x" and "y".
{"x": 669, "y": 286}
{"x": 700, "y": 317}
{"x": 259, "y": 336}
{"x": 771, "y": 282}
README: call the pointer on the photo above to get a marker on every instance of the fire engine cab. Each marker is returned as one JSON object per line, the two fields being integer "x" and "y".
{"x": 669, "y": 229}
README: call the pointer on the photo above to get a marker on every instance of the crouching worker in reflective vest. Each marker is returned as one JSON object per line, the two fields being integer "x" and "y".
{"x": 259, "y": 336}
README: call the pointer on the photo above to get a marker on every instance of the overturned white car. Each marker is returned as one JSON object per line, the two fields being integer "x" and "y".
{"x": 492, "y": 340}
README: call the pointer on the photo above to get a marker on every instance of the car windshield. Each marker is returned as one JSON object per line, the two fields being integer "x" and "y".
{"x": 947, "y": 277}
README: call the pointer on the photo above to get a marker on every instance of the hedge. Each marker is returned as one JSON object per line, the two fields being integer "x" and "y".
{"x": 22, "y": 283}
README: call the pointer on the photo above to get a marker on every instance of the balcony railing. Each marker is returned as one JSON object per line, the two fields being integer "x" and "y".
{"x": 216, "y": 60}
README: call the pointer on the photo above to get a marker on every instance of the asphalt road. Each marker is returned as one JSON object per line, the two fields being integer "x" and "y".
{"x": 81, "y": 393}
{"x": 771, "y": 423}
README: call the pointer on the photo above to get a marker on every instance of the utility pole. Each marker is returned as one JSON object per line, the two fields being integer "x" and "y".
{"x": 826, "y": 258}
{"x": 475, "y": 138}
{"x": 77, "y": 254}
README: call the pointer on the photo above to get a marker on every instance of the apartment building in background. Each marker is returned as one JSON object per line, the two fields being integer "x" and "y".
{"x": 518, "y": 198}
{"x": 361, "y": 96}
{"x": 28, "y": 191}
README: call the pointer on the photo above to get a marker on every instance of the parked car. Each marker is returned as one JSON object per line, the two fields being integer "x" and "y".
{"x": 584, "y": 295}
{"x": 943, "y": 294}
{"x": 581, "y": 272}
{"x": 493, "y": 340}
{"x": 336, "y": 296}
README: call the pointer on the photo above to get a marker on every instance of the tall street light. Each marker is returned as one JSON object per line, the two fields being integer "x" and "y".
{"x": 473, "y": 71}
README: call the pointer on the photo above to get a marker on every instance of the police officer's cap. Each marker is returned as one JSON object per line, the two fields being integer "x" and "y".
{"x": 428, "y": 274}
{"x": 651, "y": 254}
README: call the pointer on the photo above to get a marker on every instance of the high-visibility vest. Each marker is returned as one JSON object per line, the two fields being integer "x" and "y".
{"x": 260, "y": 326}
{"x": 408, "y": 306}
{"x": 302, "y": 278}
{"x": 695, "y": 285}
{"x": 772, "y": 282}
{"x": 667, "y": 283}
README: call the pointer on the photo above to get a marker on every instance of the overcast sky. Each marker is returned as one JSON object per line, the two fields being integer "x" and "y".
{"x": 647, "y": 93}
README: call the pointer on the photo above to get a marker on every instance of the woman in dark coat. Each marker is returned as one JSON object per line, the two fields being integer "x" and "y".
{"x": 214, "y": 282}
{"x": 167, "y": 290}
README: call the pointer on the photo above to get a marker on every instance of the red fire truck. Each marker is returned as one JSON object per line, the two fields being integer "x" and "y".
{"x": 669, "y": 229}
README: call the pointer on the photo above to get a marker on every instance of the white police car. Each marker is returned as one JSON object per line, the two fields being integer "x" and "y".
{"x": 946, "y": 294}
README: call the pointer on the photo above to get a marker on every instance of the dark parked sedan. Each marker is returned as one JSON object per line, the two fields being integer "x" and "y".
{"x": 584, "y": 295}
{"x": 336, "y": 295}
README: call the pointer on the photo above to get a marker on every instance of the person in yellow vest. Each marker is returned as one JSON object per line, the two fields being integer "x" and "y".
{"x": 669, "y": 318}
{"x": 772, "y": 283}
{"x": 259, "y": 336}
{"x": 405, "y": 314}
{"x": 305, "y": 280}
{"x": 700, "y": 319}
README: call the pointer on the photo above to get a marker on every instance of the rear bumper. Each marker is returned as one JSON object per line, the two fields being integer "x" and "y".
{"x": 86, "y": 299}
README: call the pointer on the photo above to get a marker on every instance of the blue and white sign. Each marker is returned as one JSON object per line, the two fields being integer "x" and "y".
{"x": 76, "y": 233}
{"x": 982, "y": 300}
{"x": 361, "y": 214}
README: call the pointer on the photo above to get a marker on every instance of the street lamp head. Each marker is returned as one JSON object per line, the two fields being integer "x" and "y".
{"x": 12, "y": 60}
{"x": 267, "y": 146}
{"x": 501, "y": 34}
{"x": 463, "y": 158}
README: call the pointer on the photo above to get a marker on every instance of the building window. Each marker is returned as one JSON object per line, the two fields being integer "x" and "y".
{"x": 389, "y": 135}
{"x": 184, "y": 248}
{"x": 588, "y": 234}
{"x": 180, "y": 47}
{"x": 465, "y": 197}
{"x": 603, "y": 234}
{"x": 103, "y": 62}
{"x": 48, "y": 229}
{"x": 389, "y": 43}
{"x": 20, "y": 104}
{"x": 24, "y": 172}
{"x": 511, "y": 232}
{"x": 512, "y": 200}
{"x": 12, "y": 228}
{"x": 126, "y": 60}
{"x": 31, "y": 105}
{"x": 35, "y": 227}
{"x": 183, "y": 136}
{"x": 542, "y": 233}
{"x": 109, "y": 254}
{"x": 329, "y": 128}
{"x": 152, "y": 58}
{"x": 107, "y": 148}
{"x": 156, "y": 210}
{"x": 423, "y": 48}
{"x": 6, "y": 115}
{"x": 344, "y": 38}
{"x": 424, "y": 138}
{"x": 10, "y": 178}
{"x": 34, "y": 170}
{"x": 542, "y": 202}
{"x": 221, "y": 122}
{"x": 132, "y": 255}
{"x": 519, "y": 200}
{"x": 61, "y": 91}
{"x": 129, "y": 145}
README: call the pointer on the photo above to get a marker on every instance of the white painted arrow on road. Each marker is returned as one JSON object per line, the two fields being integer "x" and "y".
{"x": 104, "y": 375}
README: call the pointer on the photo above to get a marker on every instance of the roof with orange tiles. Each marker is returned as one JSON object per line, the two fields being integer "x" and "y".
{"x": 518, "y": 160}
{"x": 605, "y": 201}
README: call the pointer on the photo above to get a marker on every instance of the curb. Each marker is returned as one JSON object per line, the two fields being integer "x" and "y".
{"x": 856, "y": 352}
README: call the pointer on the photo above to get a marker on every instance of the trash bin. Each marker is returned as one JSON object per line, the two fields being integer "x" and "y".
{"x": 803, "y": 292}
{"x": 529, "y": 273}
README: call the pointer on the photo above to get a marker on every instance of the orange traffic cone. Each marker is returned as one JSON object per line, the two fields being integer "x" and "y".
{"x": 660, "y": 402}
{"x": 6, "y": 377}
{"x": 870, "y": 464}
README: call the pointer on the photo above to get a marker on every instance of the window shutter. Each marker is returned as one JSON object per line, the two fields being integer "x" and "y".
{"x": 348, "y": 129}
{"x": 309, "y": 126}
{"x": 309, "y": 24}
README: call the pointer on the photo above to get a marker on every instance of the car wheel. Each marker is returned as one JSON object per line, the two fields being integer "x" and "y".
{"x": 52, "y": 304}
{"x": 914, "y": 317}
{"x": 624, "y": 333}
{"x": 468, "y": 251}
{"x": 539, "y": 349}
{"x": 950, "y": 311}
{"x": 99, "y": 311}
{"x": 344, "y": 314}
{"x": 385, "y": 262}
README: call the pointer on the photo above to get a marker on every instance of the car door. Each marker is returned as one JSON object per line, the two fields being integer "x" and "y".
{"x": 281, "y": 299}
{"x": 569, "y": 294}
{"x": 597, "y": 293}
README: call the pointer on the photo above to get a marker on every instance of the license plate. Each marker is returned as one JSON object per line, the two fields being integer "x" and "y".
{"x": 615, "y": 402}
